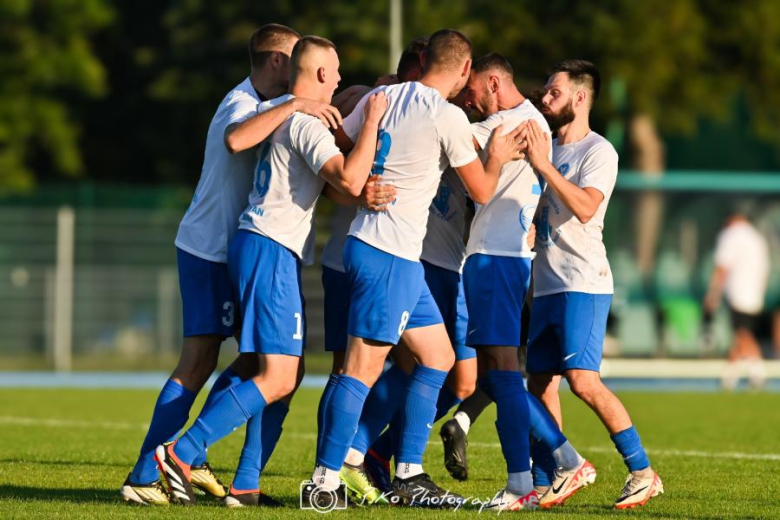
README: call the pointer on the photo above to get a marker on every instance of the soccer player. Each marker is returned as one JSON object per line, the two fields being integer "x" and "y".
{"x": 496, "y": 278}
{"x": 275, "y": 237}
{"x": 420, "y": 135}
{"x": 742, "y": 273}
{"x": 202, "y": 241}
{"x": 572, "y": 278}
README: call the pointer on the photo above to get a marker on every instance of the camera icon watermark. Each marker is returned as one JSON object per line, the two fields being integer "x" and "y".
{"x": 312, "y": 496}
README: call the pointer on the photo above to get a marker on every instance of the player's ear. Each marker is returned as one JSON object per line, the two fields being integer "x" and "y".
{"x": 466, "y": 68}
{"x": 581, "y": 97}
{"x": 493, "y": 83}
{"x": 321, "y": 74}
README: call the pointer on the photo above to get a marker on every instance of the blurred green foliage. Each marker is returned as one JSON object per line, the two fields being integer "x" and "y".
{"x": 124, "y": 90}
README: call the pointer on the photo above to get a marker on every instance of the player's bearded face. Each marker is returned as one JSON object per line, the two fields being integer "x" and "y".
{"x": 562, "y": 117}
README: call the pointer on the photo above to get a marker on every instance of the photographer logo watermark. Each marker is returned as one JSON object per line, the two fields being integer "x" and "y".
{"x": 321, "y": 500}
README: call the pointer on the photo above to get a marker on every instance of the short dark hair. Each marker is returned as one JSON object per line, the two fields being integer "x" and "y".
{"x": 493, "y": 61}
{"x": 303, "y": 45}
{"x": 267, "y": 39}
{"x": 410, "y": 57}
{"x": 447, "y": 49}
{"x": 581, "y": 72}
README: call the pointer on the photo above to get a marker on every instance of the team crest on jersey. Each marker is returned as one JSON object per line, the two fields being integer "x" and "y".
{"x": 563, "y": 169}
{"x": 527, "y": 216}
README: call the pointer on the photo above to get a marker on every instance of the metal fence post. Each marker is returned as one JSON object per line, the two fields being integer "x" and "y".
{"x": 63, "y": 294}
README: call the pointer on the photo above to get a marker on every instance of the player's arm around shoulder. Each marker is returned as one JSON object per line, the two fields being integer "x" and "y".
{"x": 349, "y": 174}
{"x": 243, "y": 135}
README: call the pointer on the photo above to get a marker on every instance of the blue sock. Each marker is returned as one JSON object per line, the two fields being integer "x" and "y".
{"x": 384, "y": 446}
{"x": 225, "y": 380}
{"x": 273, "y": 419}
{"x": 512, "y": 421}
{"x": 340, "y": 419}
{"x": 548, "y": 437}
{"x": 630, "y": 447}
{"x": 327, "y": 395}
{"x": 262, "y": 434}
{"x": 170, "y": 415}
{"x": 445, "y": 402}
{"x": 224, "y": 415}
{"x": 383, "y": 401}
{"x": 418, "y": 413}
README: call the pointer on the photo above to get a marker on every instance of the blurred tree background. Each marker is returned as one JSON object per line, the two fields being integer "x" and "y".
{"x": 123, "y": 91}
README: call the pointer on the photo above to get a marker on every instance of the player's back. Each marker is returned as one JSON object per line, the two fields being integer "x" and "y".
{"x": 415, "y": 145}
{"x": 225, "y": 180}
{"x": 286, "y": 183}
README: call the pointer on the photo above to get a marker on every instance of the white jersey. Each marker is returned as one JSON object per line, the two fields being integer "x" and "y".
{"x": 333, "y": 252}
{"x": 419, "y": 136}
{"x": 501, "y": 226}
{"x": 743, "y": 252}
{"x": 286, "y": 185}
{"x": 443, "y": 245}
{"x": 225, "y": 180}
{"x": 571, "y": 255}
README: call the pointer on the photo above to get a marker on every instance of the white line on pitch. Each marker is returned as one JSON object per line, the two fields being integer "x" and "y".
{"x": 664, "y": 453}
{"x": 66, "y": 423}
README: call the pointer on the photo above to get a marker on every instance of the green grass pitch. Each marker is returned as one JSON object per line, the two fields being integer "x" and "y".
{"x": 65, "y": 453}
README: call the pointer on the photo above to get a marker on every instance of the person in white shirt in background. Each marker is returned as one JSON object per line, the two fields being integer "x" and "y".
{"x": 741, "y": 275}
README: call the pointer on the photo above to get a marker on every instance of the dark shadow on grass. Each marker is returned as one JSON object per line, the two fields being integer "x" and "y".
{"x": 58, "y": 495}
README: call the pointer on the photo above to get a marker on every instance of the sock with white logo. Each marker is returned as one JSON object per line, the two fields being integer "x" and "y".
{"x": 630, "y": 447}
{"x": 408, "y": 470}
{"x": 463, "y": 421}
{"x": 327, "y": 479}
{"x": 418, "y": 413}
{"x": 520, "y": 483}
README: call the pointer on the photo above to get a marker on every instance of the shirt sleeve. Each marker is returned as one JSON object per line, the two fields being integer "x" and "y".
{"x": 725, "y": 250}
{"x": 455, "y": 136}
{"x": 599, "y": 169}
{"x": 313, "y": 141}
{"x": 240, "y": 107}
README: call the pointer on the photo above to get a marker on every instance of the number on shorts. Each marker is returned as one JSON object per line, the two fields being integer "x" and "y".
{"x": 298, "y": 326}
{"x": 404, "y": 321}
{"x": 227, "y": 319}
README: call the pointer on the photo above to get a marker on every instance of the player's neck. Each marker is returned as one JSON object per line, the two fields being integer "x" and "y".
{"x": 440, "y": 82}
{"x": 574, "y": 131}
{"x": 307, "y": 89}
{"x": 510, "y": 100}
{"x": 263, "y": 84}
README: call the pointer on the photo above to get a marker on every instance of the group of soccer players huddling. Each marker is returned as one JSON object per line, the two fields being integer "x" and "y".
{"x": 408, "y": 173}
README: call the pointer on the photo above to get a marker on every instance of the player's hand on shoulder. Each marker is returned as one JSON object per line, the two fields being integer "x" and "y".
{"x": 507, "y": 147}
{"x": 535, "y": 142}
{"x": 530, "y": 238}
{"x": 375, "y": 107}
{"x": 329, "y": 115}
{"x": 387, "y": 79}
{"x": 376, "y": 196}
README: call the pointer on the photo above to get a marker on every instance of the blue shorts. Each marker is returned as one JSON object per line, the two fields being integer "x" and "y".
{"x": 336, "y": 309}
{"x": 495, "y": 290}
{"x": 207, "y": 298}
{"x": 447, "y": 289}
{"x": 266, "y": 277}
{"x": 567, "y": 332}
{"x": 388, "y": 294}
